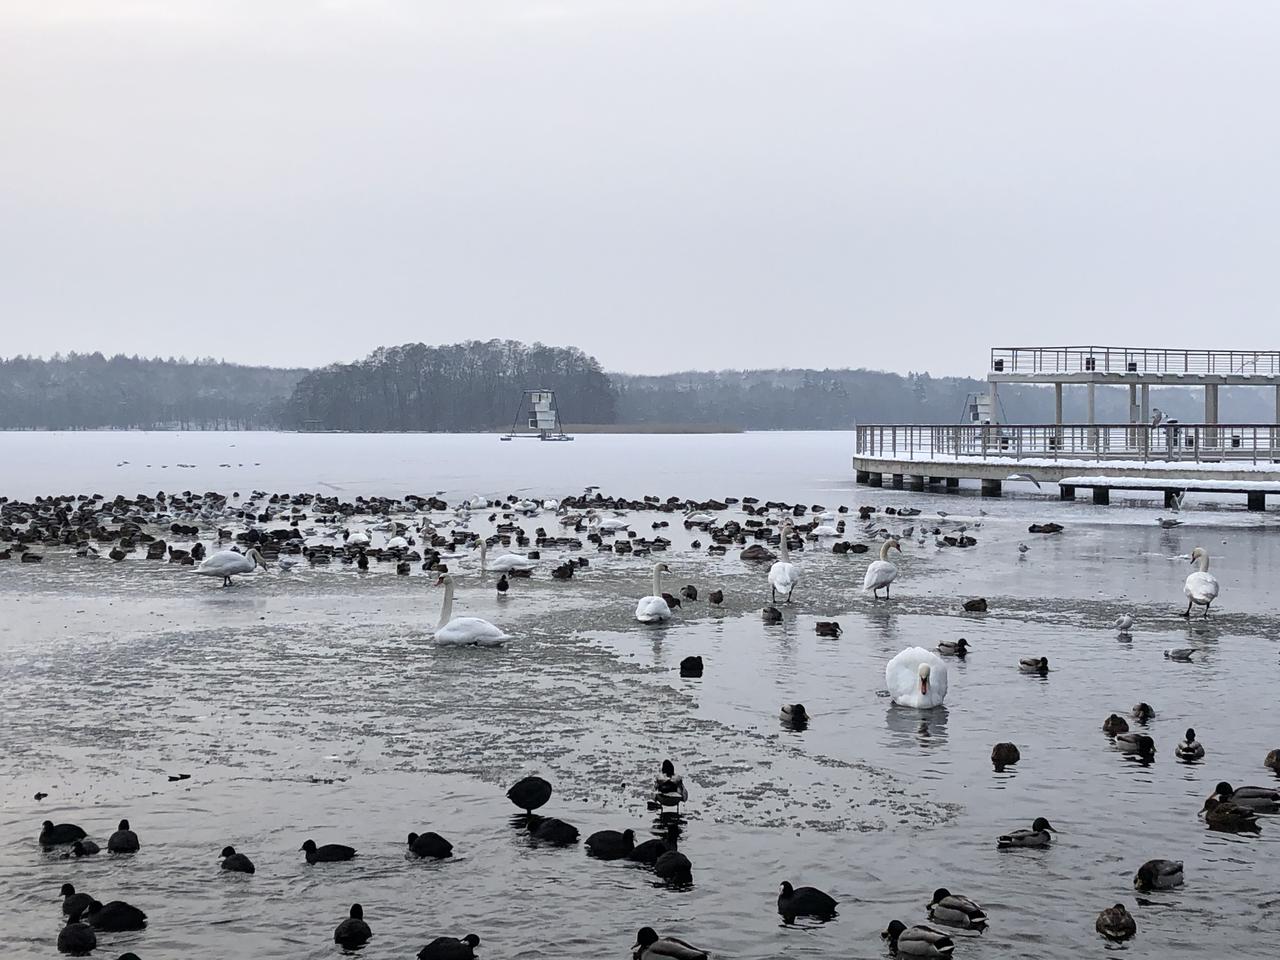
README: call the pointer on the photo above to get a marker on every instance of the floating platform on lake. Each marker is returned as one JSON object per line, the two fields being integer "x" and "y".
{"x": 1172, "y": 459}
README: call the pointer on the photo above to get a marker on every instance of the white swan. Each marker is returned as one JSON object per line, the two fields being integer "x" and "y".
{"x": 783, "y": 575}
{"x": 1201, "y": 587}
{"x": 825, "y": 530}
{"x": 881, "y": 572}
{"x": 505, "y": 563}
{"x": 916, "y": 678}
{"x": 358, "y": 539}
{"x": 653, "y": 609}
{"x": 464, "y": 631}
{"x": 397, "y": 543}
{"x": 227, "y": 563}
{"x": 612, "y": 524}
{"x": 694, "y": 518}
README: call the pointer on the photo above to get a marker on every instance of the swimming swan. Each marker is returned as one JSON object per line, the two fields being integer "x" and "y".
{"x": 881, "y": 572}
{"x": 227, "y": 563}
{"x": 505, "y": 563}
{"x": 1201, "y": 587}
{"x": 916, "y": 678}
{"x": 783, "y": 575}
{"x": 653, "y": 609}
{"x": 464, "y": 631}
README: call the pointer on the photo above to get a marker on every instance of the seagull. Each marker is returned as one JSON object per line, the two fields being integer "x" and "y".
{"x": 1168, "y": 524}
{"x": 1023, "y": 548}
{"x": 1124, "y": 623}
{"x": 1024, "y": 476}
{"x": 1175, "y": 502}
{"x": 1156, "y": 416}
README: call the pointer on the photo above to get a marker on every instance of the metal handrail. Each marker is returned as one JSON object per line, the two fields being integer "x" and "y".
{"x": 1168, "y": 442}
{"x": 1109, "y": 359}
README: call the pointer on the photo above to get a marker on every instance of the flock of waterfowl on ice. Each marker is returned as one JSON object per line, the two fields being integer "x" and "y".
{"x": 427, "y": 533}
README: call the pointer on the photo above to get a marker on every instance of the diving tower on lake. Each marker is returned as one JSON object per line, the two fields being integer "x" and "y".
{"x": 1148, "y": 452}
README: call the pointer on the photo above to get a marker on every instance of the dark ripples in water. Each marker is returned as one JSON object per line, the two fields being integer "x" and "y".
{"x": 311, "y": 704}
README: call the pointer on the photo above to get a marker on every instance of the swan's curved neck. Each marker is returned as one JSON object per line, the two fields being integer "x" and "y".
{"x": 446, "y": 611}
{"x": 786, "y": 550}
{"x": 1202, "y": 563}
{"x": 884, "y": 551}
{"x": 657, "y": 580}
{"x": 484, "y": 554}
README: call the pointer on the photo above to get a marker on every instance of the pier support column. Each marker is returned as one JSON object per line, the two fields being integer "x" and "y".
{"x": 1257, "y": 501}
{"x": 992, "y": 488}
{"x": 861, "y": 476}
{"x": 1133, "y": 415}
{"x": 1066, "y": 491}
{"x": 875, "y": 479}
{"x": 993, "y": 390}
{"x": 1093, "y": 433}
{"x": 1102, "y": 495}
{"x": 1144, "y": 435}
{"x": 897, "y": 481}
{"x": 915, "y": 482}
{"x": 1211, "y": 413}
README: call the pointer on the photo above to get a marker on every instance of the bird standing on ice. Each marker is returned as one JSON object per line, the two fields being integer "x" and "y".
{"x": 1201, "y": 587}
{"x": 881, "y": 572}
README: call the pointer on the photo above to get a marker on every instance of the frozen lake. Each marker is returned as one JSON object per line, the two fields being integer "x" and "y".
{"x": 311, "y": 703}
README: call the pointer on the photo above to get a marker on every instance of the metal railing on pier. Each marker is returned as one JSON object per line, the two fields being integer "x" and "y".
{"x": 1134, "y": 360}
{"x": 1168, "y": 442}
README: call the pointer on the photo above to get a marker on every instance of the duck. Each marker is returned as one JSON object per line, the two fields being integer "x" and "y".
{"x": 454, "y": 631}
{"x": 1201, "y": 587}
{"x": 673, "y": 867}
{"x": 956, "y": 911}
{"x": 954, "y": 648}
{"x": 1230, "y": 817}
{"x": 828, "y": 628}
{"x": 1138, "y": 743}
{"x": 652, "y": 608}
{"x": 1115, "y": 724}
{"x": 1040, "y": 835}
{"x": 1004, "y": 755}
{"x": 1116, "y": 924}
{"x": 1143, "y": 712}
{"x": 1190, "y": 748}
{"x": 916, "y": 678}
{"x": 804, "y": 902}
{"x": 58, "y": 834}
{"x": 650, "y": 850}
{"x": 715, "y": 598}
{"x": 84, "y": 848}
{"x": 650, "y": 946}
{"x": 611, "y": 844}
{"x": 503, "y": 585}
{"x": 123, "y": 840}
{"x": 917, "y": 941}
{"x": 429, "y": 845}
{"x": 529, "y": 793}
{"x": 771, "y": 614}
{"x": 72, "y": 902}
{"x": 795, "y": 714}
{"x": 881, "y": 573}
{"x": 668, "y": 786}
{"x": 1158, "y": 875}
{"x": 1272, "y": 760}
{"x": 689, "y": 592}
{"x": 236, "y": 862}
{"x": 329, "y": 853}
{"x": 77, "y": 938}
{"x": 691, "y": 666}
{"x": 450, "y": 948}
{"x": 1261, "y": 799}
{"x": 1037, "y": 665}
{"x": 115, "y": 916}
{"x": 228, "y": 563}
{"x": 553, "y": 830}
{"x": 353, "y": 932}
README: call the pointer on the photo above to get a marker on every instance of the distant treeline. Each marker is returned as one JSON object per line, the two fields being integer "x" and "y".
{"x": 87, "y": 391}
{"x": 478, "y": 385}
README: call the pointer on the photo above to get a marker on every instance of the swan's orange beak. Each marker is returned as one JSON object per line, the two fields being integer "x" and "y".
{"x": 924, "y": 684}
{"x": 439, "y": 581}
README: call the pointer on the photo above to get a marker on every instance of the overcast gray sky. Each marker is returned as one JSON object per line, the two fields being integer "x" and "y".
{"x": 665, "y": 183}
